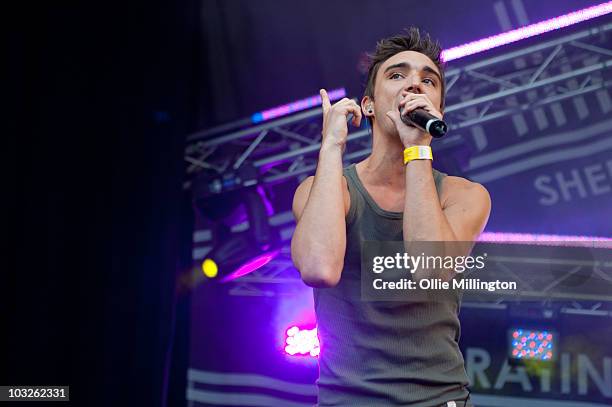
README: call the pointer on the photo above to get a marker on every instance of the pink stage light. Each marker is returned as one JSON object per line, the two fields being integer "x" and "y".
{"x": 251, "y": 265}
{"x": 521, "y": 33}
{"x": 302, "y": 342}
{"x": 548, "y": 240}
{"x": 296, "y": 106}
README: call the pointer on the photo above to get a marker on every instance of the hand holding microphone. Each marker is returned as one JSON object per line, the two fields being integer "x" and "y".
{"x": 424, "y": 121}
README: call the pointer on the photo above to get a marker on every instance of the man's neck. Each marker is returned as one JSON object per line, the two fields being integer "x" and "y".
{"x": 384, "y": 166}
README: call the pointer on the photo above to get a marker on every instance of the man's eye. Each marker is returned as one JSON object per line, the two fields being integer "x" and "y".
{"x": 430, "y": 81}
{"x": 395, "y": 76}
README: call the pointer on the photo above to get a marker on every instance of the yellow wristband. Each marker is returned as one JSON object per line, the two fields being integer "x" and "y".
{"x": 417, "y": 153}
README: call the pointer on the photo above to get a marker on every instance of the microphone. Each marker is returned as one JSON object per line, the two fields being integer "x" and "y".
{"x": 425, "y": 121}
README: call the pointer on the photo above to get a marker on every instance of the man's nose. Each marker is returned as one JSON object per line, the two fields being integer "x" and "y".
{"x": 413, "y": 85}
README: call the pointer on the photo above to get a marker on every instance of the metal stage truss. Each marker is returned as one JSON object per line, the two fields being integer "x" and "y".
{"x": 561, "y": 78}
{"x": 593, "y": 297}
{"x": 513, "y": 86}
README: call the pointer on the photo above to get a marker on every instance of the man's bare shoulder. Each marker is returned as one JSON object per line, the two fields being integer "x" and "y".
{"x": 454, "y": 188}
{"x": 467, "y": 206}
{"x": 454, "y": 182}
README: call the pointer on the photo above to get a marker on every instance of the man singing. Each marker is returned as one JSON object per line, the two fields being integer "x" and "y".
{"x": 384, "y": 353}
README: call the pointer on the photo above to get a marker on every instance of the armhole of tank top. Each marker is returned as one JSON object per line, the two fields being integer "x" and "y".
{"x": 438, "y": 178}
{"x": 350, "y": 216}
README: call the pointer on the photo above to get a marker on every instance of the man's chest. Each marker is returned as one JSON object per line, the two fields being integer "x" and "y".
{"x": 386, "y": 198}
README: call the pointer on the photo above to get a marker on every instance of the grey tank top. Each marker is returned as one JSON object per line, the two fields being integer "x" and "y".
{"x": 384, "y": 353}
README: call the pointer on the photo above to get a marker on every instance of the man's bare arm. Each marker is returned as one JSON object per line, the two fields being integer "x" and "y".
{"x": 319, "y": 206}
{"x": 467, "y": 205}
{"x": 320, "y": 203}
{"x": 466, "y": 211}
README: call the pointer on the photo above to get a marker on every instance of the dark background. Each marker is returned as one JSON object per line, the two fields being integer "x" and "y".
{"x": 101, "y": 96}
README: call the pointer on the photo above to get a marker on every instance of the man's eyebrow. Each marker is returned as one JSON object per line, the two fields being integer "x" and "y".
{"x": 403, "y": 65}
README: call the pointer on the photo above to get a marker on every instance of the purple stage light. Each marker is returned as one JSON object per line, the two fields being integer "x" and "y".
{"x": 548, "y": 240}
{"x": 251, "y": 265}
{"x": 302, "y": 342}
{"x": 457, "y": 52}
{"x": 521, "y": 33}
{"x": 296, "y": 106}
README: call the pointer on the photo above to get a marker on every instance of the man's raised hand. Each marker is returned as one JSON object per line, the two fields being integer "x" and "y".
{"x": 335, "y": 128}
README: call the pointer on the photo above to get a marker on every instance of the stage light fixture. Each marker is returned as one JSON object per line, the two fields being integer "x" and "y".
{"x": 236, "y": 253}
{"x": 297, "y": 106}
{"x": 528, "y": 31}
{"x": 302, "y": 342}
{"x": 532, "y": 344}
{"x": 210, "y": 268}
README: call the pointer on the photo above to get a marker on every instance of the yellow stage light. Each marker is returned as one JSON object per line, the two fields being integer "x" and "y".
{"x": 210, "y": 269}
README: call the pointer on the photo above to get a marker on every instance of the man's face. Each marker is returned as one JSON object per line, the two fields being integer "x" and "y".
{"x": 407, "y": 71}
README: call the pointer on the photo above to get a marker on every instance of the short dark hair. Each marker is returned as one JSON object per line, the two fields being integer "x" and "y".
{"x": 411, "y": 40}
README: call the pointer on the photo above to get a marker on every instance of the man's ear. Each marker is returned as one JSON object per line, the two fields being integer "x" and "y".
{"x": 367, "y": 106}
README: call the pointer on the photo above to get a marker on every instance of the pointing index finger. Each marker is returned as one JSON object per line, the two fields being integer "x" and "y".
{"x": 324, "y": 100}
